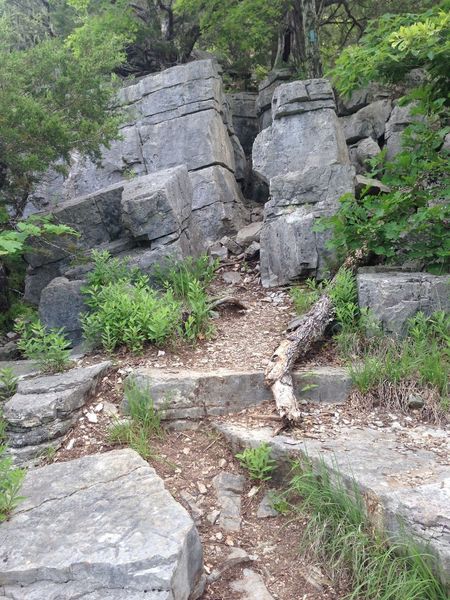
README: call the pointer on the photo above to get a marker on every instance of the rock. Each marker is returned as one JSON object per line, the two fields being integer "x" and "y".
{"x": 217, "y": 250}
{"x": 446, "y": 145}
{"x": 363, "y": 151}
{"x": 248, "y": 234}
{"x": 61, "y": 306}
{"x": 265, "y": 509}
{"x": 370, "y": 121}
{"x": 231, "y": 245}
{"x": 158, "y": 207}
{"x": 252, "y": 252}
{"x": 405, "y": 485}
{"x": 245, "y": 118}
{"x": 228, "y": 489}
{"x": 415, "y": 402}
{"x": 232, "y": 277}
{"x": 236, "y": 557}
{"x": 290, "y": 248}
{"x": 251, "y": 586}
{"x": 134, "y": 542}
{"x": 44, "y": 408}
{"x": 373, "y": 186}
{"x": 217, "y": 206}
{"x": 189, "y": 396}
{"x": 395, "y": 297}
{"x": 9, "y": 351}
{"x": 305, "y": 131}
{"x": 213, "y": 516}
{"x": 361, "y": 98}
{"x": 91, "y": 417}
{"x": 266, "y": 90}
{"x": 194, "y": 509}
{"x": 400, "y": 118}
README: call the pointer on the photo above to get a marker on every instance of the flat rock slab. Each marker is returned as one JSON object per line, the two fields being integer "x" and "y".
{"x": 45, "y": 407}
{"x": 251, "y": 587}
{"x": 102, "y": 527}
{"x": 406, "y": 487}
{"x": 228, "y": 489}
{"x": 186, "y": 395}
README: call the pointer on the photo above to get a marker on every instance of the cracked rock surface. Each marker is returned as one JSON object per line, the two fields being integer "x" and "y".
{"x": 102, "y": 527}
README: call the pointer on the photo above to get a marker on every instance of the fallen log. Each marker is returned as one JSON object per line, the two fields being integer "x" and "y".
{"x": 310, "y": 328}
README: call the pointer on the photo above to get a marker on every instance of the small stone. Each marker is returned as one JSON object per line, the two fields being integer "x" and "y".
{"x": 213, "y": 516}
{"x": 219, "y": 535}
{"x": 71, "y": 444}
{"x": 222, "y": 463}
{"x": 201, "y": 487}
{"x": 91, "y": 417}
{"x": 415, "y": 402}
{"x": 253, "y": 491}
{"x": 161, "y": 353}
{"x": 186, "y": 451}
{"x": 231, "y": 277}
{"x": 110, "y": 409}
{"x": 99, "y": 407}
{"x": 251, "y": 586}
{"x": 265, "y": 509}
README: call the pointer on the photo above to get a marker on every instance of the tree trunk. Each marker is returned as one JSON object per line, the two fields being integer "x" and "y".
{"x": 311, "y": 328}
{"x": 298, "y": 39}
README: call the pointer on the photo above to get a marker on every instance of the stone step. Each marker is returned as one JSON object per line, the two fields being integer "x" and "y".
{"x": 103, "y": 527}
{"x": 186, "y": 396}
{"x": 406, "y": 488}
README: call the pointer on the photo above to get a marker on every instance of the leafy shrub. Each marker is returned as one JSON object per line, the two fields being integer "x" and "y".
{"x": 48, "y": 347}
{"x": 8, "y": 383}
{"x": 129, "y": 314}
{"x": 10, "y": 482}
{"x": 258, "y": 462}
{"x": 109, "y": 270}
{"x": 411, "y": 221}
{"x": 178, "y": 275}
{"x": 144, "y": 422}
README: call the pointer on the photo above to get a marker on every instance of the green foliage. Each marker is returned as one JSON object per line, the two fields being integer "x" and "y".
{"x": 423, "y": 356}
{"x": 125, "y": 310}
{"x": 258, "y": 462}
{"x": 411, "y": 221}
{"x": 8, "y": 383}
{"x": 393, "y": 45}
{"x": 241, "y": 32}
{"x": 48, "y": 347}
{"x": 178, "y": 275}
{"x": 144, "y": 422}
{"x": 11, "y": 479}
{"x": 129, "y": 314}
{"x": 304, "y": 297}
{"x": 339, "y": 535}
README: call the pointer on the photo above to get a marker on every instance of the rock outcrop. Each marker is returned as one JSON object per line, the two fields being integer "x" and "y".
{"x": 174, "y": 120}
{"x": 101, "y": 527}
{"x": 44, "y": 408}
{"x": 395, "y": 297}
{"x": 304, "y": 157}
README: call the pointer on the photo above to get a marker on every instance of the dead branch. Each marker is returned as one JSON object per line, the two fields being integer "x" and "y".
{"x": 310, "y": 328}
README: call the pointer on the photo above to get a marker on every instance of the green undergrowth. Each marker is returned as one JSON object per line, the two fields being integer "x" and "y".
{"x": 48, "y": 347}
{"x": 340, "y": 536}
{"x": 385, "y": 369}
{"x": 258, "y": 462}
{"x": 126, "y": 310}
{"x": 143, "y": 424}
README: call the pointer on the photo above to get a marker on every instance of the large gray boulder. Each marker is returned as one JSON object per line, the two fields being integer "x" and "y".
{"x": 363, "y": 151}
{"x": 266, "y": 90}
{"x": 61, "y": 306}
{"x": 158, "y": 205}
{"x": 102, "y": 527}
{"x": 400, "y": 118}
{"x": 395, "y": 297}
{"x": 44, "y": 408}
{"x": 305, "y": 131}
{"x": 217, "y": 206}
{"x": 370, "y": 121}
{"x": 290, "y": 247}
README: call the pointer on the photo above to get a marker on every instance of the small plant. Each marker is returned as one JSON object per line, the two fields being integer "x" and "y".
{"x": 178, "y": 275}
{"x": 340, "y": 536}
{"x": 48, "y": 347}
{"x": 144, "y": 421}
{"x": 8, "y": 383}
{"x": 258, "y": 462}
{"x": 11, "y": 479}
{"x": 304, "y": 297}
{"x": 109, "y": 270}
